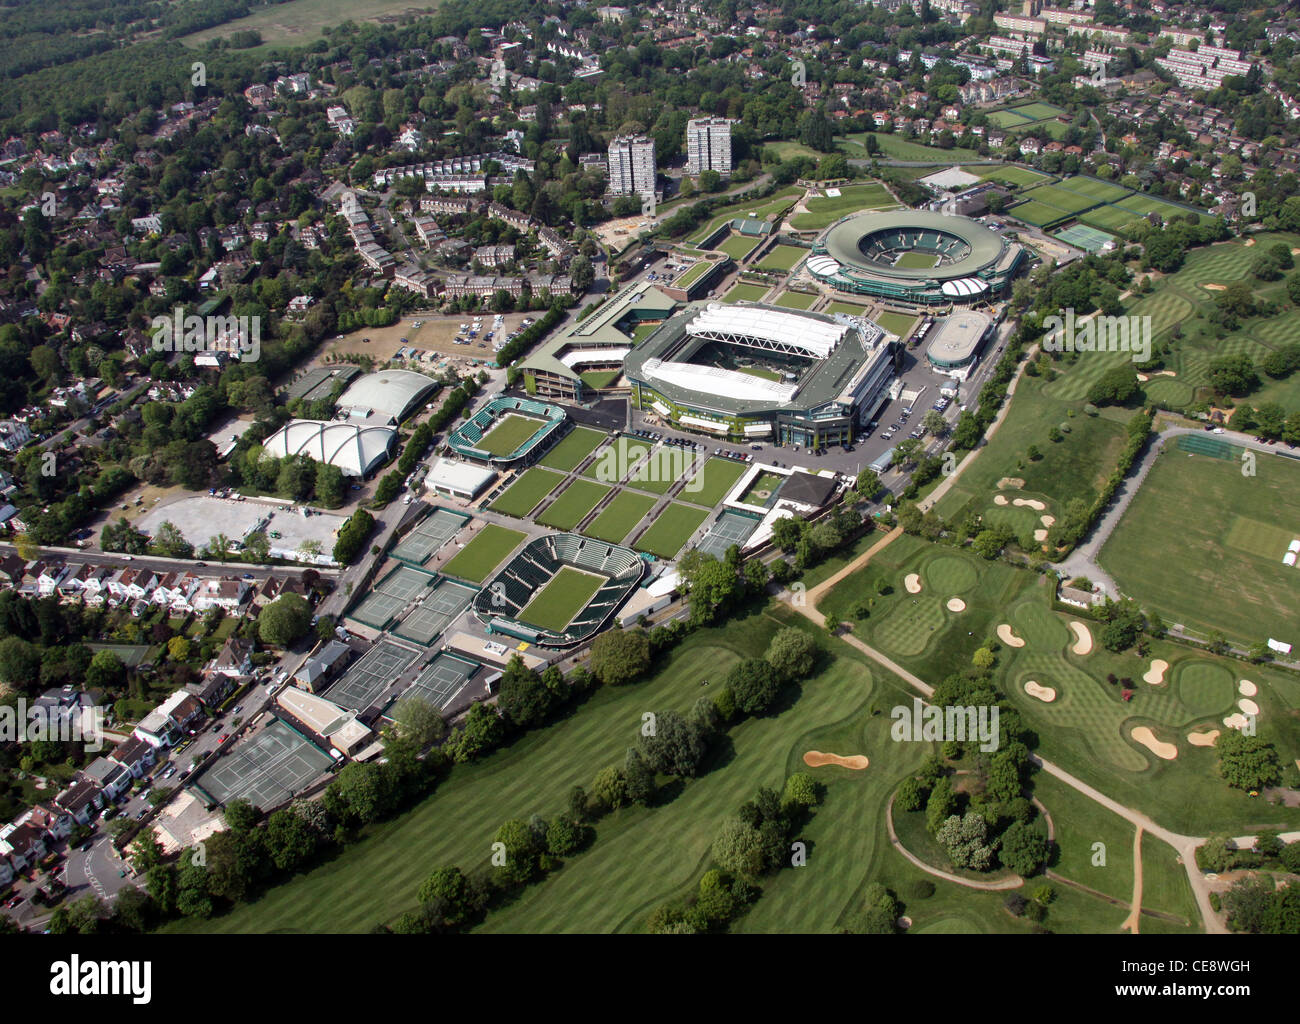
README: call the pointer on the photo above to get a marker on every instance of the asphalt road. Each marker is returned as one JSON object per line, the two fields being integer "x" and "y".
{"x": 107, "y": 558}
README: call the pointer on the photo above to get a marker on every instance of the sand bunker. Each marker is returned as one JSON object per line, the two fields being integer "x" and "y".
{"x": 1047, "y": 520}
{"x": 1249, "y": 706}
{"x": 1203, "y": 739}
{"x": 1215, "y": 287}
{"x": 912, "y": 583}
{"x": 1236, "y": 720}
{"x": 1040, "y": 535}
{"x": 1000, "y": 499}
{"x": 1044, "y": 693}
{"x": 1082, "y": 638}
{"x": 1009, "y": 638}
{"x": 1156, "y": 673}
{"x": 1249, "y": 242}
{"x": 1010, "y": 481}
{"x": 1147, "y": 738}
{"x": 956, "y": 604}
{"x": 1246, "y": 688}
{"x": 1033, "y": 503}
{"x": 816, "y": 759}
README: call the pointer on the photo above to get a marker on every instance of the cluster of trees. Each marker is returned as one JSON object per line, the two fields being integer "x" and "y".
{"x": 715, "y": 588}
{"x": 352, "y": 536}
{"x": 754, "y": 844}
{"x": 1247, "y": 762}
{"x": 1258, "y": 906}
{"x": 812, "y": 542}
{"x": 284, "y": 621}
{"x": 1073, "y": 525}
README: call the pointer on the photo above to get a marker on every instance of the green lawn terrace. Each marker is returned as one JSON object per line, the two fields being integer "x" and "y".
{"x": 941, "y": 604}
{"x": 824, "y": 210}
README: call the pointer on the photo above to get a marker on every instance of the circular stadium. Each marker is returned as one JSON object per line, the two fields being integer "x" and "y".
{"x": 916, "y": 256}
{"x": 559, "y": 590}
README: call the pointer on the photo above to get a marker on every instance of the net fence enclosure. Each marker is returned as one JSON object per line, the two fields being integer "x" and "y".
{"x": 440, "y": 683}
{"x": 361, "y": 685}
{"x": 728, "y": 529}
{"x": 267, "y": 769}
{"x": 1199, "y": 444}
{"x": 1084, "y": 237}
{"x": 428, "y": 535}
{"x": 435, "y": 612}
{"x": 390, "y": 595}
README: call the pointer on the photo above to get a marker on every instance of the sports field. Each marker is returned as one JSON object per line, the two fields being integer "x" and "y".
{"x": 554, "y": 606}
{"x": 745, "y": 293}
{"x": 782, "y": 257}
{"x": 711, "y": 484}
{"x": 901, "y": 324}
{"x": 761, "y": 210}
{"x": 851, "y": 308}
{"x": 573, "y": 504}
{"x": 1010, "y": 175}
{"x": 1202, "y": 545}
{"x": 739, "y": 246}
{"x": 671, "y": 530}
{"x": 508, "y": 433}
{"x": 664, "y": 467}
{"x": 615, "y": 461}
{"x": 300, "y": 22}
{"x": 795, "y": 300}
{"x": 576, "y": 445}
{"x": 826, "y": 210}
{"x": 522, "y": 496}
{"x": 617, "y": 519}
{"x": 916, "y": 260}
{"x": 489, "y": 548}
{"x": 1038, "y": 214}
{"x": 898, "y": 148}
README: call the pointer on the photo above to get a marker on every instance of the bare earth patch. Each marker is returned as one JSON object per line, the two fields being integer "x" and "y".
{"x": 1246, "y": 688}
{"x": 1203, "y": 739}
{"x": 1247, "y": 705}
{"x": 1082, "y": 638}
{"x": 816, "y": 759}
{"x": 1166, "y": 751}
{"x": 1156, "y": 673}
{"x": 912, "y": 583}
{"x": 1009, "y": 638}
{"x": 1044, "y": 693}
{"x": 956, "y": 604}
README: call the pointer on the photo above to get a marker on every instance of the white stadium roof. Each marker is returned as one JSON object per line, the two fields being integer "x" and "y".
{"x": 458, "y": 477}
{"x": 814, "y": 337}
{"x": 964, "y": 287}
{"x": 391, "y": 393}
{"x": 713, "y": 380}
{"x": 582, "y": 356}
{"x": 353, "y": 448}
{"x": 824, "y": 265}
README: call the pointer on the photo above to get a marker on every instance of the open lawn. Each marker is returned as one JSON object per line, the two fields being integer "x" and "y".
{"x": 796, "y": 300}
{"x": 300, "y": 22}
{"x": 477, "y": 560}
{"x": 852, "y": 308}
{"x": 745, "y": 293}
{"x": 1202, "y": 545}
{"x": 615, "y": 461}
{"x": 522, "y": 496}
{"x": 620, "y": 516}
{"x": 901, "y": 324}
{"x": 1010, "y": 175}
{"x": 598, "y": 379}
{"x": 761, "y": 210}
{"x": 782, "y": 257}
{"x": 739, "y": 246}
{"x": 508, "y": 433}
{"x": 826, "y": 210}
{"x": 711, "y": 484}
{"x": 898, "y": 148}
{"x": 573, "y": 448}
{"x": 573, "y": 504}
{"x": 555, "y": 605}
{"x": 673, "y": 528}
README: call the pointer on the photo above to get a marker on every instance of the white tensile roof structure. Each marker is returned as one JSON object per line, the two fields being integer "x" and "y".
{"x": 354, "y": 448}
{"x": 390, "y": 393}
{"x": 964, "y": 288}
{"x": 713, "y": 380}
{"x": 771, "y": 329}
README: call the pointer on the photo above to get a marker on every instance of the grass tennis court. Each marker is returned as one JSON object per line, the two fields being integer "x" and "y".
{"x": 599, "y": 379}
{"x": 662, "y": 469}
{"x": 782, "y": 257}
{"x": 429, "y": 535}
{"x": 522, "y": 496}
{"x": 776, "y": 204}
{"x": 489, "y": 548}
{"x": 851, "y": 308}
{"x": 1019, "y": 177}
{"x": 739, "y": 246}
{"x": 569, "y": 509}
{"x": 576, "y": 445}
{"x": 711, "y": 484}
{"x": 267, "y": 769}
{"x": 616, "y": 461}
{"x": 1038, "y": 111}
{"x": 620, "y": 516}
{"x": 510, "y": 431}
{"x": 555, "y": 605}
{"x": 745, "y": 293}
{"x": 671, "y": 530}
{"x": 1038, "y": 215}
{"x": 1060, "y": 198}
{"x": 796, "y": 300}
{"x": 896, "y": 323}
{"x": 916, "y": 260}
{"x": 1008, "y": 119}
{"x": 1106, "y": 191}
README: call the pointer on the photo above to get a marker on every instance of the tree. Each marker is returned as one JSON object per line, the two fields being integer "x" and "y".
{"x": 284, "y": 620}
{"x": 106, "y": 671}
{"x": 523, "y": 852}
{"x": 450, "y": 896}
{"x": 639, "y": 778}
{"x": 983, "y": 658}
{"x": 609, "y": 789}
{"x": 755, "y": 684}
{"x": 483, "y": 732}
{"x": 170, "y": 542}
{"x": 941, "y": 805}
{"x": 525, "y": 701}
{"x": 178, "y": 648}
{"x": 966, "y": 841}
{"x": 418, "y": 722}
{"x": 1023, "y": 849}
{"x": 20, "y": 664}
{"x": 738, "y": 848}
{"x": 792, "y": 653}
{"x": 619, "y": 656}
{"x": 677, "y": 746}
{"x": 1247, "y": 762}
{"x": 1116, "y": 386}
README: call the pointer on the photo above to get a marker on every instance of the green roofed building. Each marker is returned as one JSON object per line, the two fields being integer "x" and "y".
{"x": 748, "y": 372}
{"x": 917, "y": 256}
{"x": 594, "y": 345}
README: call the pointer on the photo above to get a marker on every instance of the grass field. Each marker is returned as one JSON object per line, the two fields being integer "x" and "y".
{"x": 615, "y": 461}
{"x": 713, "y": 482}
{"x": 1038, "y": 214}
{"x": 661, "y": 470}
{"x": 739, "y": 246}
{"x": 901, "y": 324}
{"x": 898, "y": 148}
{"x": 745, "y": 293}
{"x": 476, "y": 561}
{"x": 573, "y": 504}
{"x": 852, "y": 308}
{"x": 300, "y": 22}
{"x": 1010, "y": 175}
{"x": 782, "y": 257}
{"x": 673, "y": 528}
{"x": 796, "y": 300}
{"x": 762, "y": 210}
{"x": 826, "y": 210}
{"x": 1202, "y": 545}
{"x": 620, "y": 516}
{"x": 554, "y": 606}
{"x": 522, "y": 496}
{"x": 573, "y": 448}
{"x": 916, "y": 260}
{"x": 508, "y": 434}
{"x": 598, "y": 379}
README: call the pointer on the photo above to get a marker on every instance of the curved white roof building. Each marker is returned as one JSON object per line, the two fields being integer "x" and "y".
{"x": 355, "y": 449}
{"x": 388, "y": 394}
